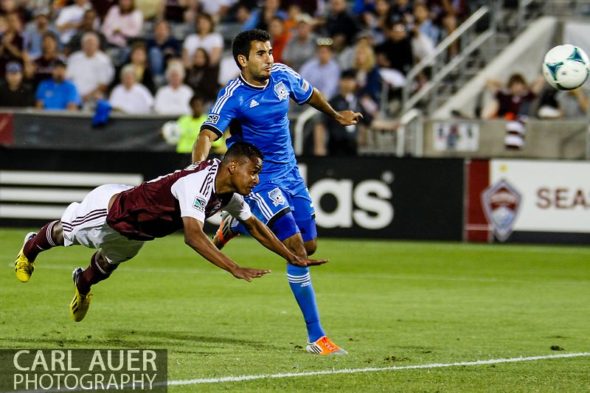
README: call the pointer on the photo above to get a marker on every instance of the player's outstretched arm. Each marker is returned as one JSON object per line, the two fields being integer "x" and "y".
{"x": 345, "y": 118}
{"x": 203, "y": 145}
{"x": 195, "y": 238}
{"x": 268, "y": 239}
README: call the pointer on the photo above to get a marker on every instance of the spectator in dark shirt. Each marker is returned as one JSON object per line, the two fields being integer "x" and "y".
{"x": 11, "y": 42}
{"x": 202, "y": 77}
{"x": 139, "y": 60}
{"x": 43, "y": 65}
{"x": 396, "y": 51}
{"x": 161, "y": 48}
{"x": 13, "y": 91}
{"x": 89, "y": 23}
{"x": 340, "y": 24}
{"x": 512, "y": 101}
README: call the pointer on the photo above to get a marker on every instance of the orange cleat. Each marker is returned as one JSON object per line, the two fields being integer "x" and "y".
{"x": 324, "y": 346}
{"x": 224, "y": 233}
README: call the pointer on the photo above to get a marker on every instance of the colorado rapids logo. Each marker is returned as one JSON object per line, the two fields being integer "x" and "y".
{"x": 501, "y": 204}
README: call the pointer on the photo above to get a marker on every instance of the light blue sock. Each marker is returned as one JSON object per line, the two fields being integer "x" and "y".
{"x": 300, "y": 283}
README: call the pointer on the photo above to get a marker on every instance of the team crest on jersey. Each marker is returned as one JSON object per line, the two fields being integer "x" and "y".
{"x": 501, "y": 204}
{"x": 200, "y": 204}
{"x": 281, "y": 91}
{"x": 213, "y": 119}
{"x": 276, "y": 196}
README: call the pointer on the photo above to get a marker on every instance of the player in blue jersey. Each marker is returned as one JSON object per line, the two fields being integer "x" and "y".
{"x": 254, "y": 107}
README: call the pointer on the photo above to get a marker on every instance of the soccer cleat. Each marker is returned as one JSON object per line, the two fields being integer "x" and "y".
{"x": 22, "y": 266}
{"x": 224, "y": 233}
{"x": 80, "y": 303}
{"x": 324, "y": 346}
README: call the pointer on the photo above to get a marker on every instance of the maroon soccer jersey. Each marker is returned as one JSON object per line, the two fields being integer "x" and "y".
{"x": 155, "y": 208}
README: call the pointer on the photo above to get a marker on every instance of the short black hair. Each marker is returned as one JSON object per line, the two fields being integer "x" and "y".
{"x": 242, "y": 149}
{"x": 242, "y": 42}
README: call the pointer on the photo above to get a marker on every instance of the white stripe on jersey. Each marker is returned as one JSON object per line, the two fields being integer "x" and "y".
{"x": 228, "y": 93}
{"x": 282, "y": 67}
{"x": 262, "y": 206}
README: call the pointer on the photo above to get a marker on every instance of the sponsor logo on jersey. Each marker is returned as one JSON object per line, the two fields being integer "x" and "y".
{"x": 254, "y": 103}
{"x": 281, "y": 91}
{"x": 200, "y": 204}
{"x": 213, "y": 119}
{"x": 276, "y": 196}
{"x": 501, "y": 204}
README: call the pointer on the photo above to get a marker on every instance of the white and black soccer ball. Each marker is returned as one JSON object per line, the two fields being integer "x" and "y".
{"x": 171, "y": 132}
{"x": 566, "y": 67}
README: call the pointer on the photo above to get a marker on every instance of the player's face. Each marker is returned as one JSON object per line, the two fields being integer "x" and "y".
{"x": 245, "y": 177}
{"x": 260, "y": 61}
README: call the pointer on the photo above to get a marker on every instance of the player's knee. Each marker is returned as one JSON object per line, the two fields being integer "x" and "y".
{"x": 311, "y": 247}
{"x": 57, "y": 233}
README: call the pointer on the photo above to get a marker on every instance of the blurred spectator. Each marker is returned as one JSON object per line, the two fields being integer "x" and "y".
{"x": 190, "y": 126}
{"x": 340, "y": 24}
{"x": 368, "y": 79}
{"x": 176, "y": 11}
{"x": 175, "y": 96}
{"x": 512, "y": 101}
{"x": 206, "y": 38}
{"x": 102, "y": 7}
{"x": 311, "y": 7}
{"x": 149, "y": 8}
{"x": 202, "y": 77}
{"x": 396, "y": 51}
{"x": 322, "y": 71}
{"x": 89, "y": 24}
{"x": 162, "y": 47}
{"x": 279, "y": 38}
{"x": 13, "y": 91}
{"x": 363, "y": 6}
{"x": 330, "y": 137}
{"x": 34, "y": 31}
{"x": 425, "y": 24}
{"x": 69, "y": 18}
{"x": 58, "y": 93}
{"x": 90, "y": 69}
{"x": 290, "y": 23}
{"x": 260, "y": 17}
{"x": 11, "y": 42}
{"x": 43, "y": 65}
{"x": 122, "y": 23}
{"x": 346, "y": 57}
{"x": 401, "y": 11}
{"x": 216, "y": 8}
{"x": 563, "y": 104}
{"x": 301, "y": 47}
{"x": 129, "y": 96}
{"x": 16, "y": 6}
{"x": 139, "y": 62}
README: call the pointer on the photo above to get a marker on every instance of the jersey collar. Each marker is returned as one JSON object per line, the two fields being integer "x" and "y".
{"x": 252, "y": 86}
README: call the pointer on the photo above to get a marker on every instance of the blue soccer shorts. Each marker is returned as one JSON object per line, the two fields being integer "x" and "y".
{"x": 285, "y": 206}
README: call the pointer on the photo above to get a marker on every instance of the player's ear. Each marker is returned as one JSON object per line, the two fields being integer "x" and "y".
{"x": 232, "y": 167}
{"x": 243, "y": 60}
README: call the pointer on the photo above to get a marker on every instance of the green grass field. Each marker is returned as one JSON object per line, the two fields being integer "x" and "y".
{"x": 388, "y": 303}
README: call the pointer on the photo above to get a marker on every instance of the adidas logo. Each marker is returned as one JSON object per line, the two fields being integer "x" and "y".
{"x": 253, "y": 103}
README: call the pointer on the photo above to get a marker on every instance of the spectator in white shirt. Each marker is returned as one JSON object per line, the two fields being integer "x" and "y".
{"x": 69, "y": 19}
{"x": 173, "y": 99}
{"x": 205, "y": 38}
{"x": 123, "y": 21}
{"x": 129, "y": 96}
{"x": 90, "y": 69}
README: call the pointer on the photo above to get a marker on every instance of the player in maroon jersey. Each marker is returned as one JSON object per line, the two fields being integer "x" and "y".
{"x": 117, "y": 219}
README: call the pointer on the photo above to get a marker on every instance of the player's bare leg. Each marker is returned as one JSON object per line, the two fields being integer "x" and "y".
{"x": 49, "y": 236}
{"x": 98, "y": 270}
{"x": 300, "y": 283}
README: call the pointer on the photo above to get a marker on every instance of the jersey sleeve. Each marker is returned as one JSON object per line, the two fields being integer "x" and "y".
{"x": 192, "y": 201}
{"x": 300, "y": 89}
{"x": 238, "y": 208}
{"x": 224, "y": 109}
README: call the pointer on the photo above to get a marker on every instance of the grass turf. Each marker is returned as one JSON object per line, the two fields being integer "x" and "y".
{"x": 388, "y": 303}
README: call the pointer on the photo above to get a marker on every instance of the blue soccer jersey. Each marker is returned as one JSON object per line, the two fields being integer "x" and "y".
{"x": 258, "y": 115}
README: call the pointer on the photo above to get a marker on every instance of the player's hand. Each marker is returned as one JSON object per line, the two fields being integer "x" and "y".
{"x": 248, "y": 274}
{"x": 298, "y": 261}
{"x": 348, "y": 118}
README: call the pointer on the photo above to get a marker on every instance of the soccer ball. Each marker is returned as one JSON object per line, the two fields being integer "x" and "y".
{"x": 171, "y": 132}
{"x": 566, "y": 67}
